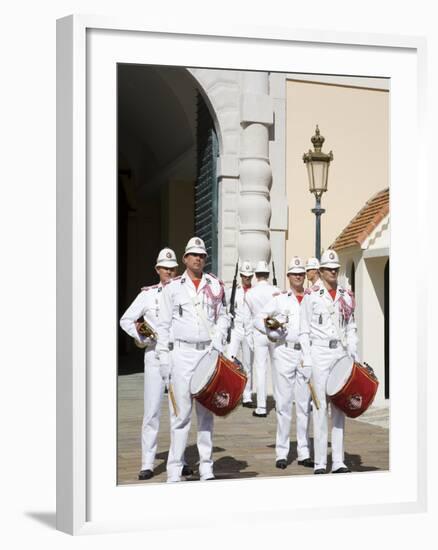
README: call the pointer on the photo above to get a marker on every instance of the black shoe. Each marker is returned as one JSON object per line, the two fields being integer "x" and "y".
{"x": 307, "y": 462}
{"x": 186, "y": 471}
{"x": 282, "y": 464}
{"x": 320, "y": 471}
{"x": 342, "y": 470}
{"x": 248, "y": 404}
{"x": 145, "y": 474}
{"x": 259, "y": 415}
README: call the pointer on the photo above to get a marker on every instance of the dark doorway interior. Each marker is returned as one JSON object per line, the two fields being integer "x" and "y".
{"x": 167, "y": 151}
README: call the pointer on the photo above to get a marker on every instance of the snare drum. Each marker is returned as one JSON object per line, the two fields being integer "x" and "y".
{"x": 217, "y": 383}
{"x": 351, "y": 386}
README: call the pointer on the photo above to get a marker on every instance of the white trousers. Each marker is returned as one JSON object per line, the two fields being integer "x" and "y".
{"x": 239, "y": 348}
{"x": 183, "y": 363}
{"x": 322, "y": 359}
{"x": 262, "y": 352}
{"x": 289, "y": 384}
{"x": 153, "y": 394}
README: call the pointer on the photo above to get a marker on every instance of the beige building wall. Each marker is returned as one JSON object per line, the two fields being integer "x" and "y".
{"x": 354, "y": 122}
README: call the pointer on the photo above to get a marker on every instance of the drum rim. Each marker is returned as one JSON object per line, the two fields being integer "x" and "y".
{"x": 345, "y": 356}
{"x": 209, "y": 379}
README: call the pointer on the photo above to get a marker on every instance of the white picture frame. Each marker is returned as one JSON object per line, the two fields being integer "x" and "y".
{"x": 88, "y": 47}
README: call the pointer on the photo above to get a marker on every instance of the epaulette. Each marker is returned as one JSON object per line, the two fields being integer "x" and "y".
{"x": 315, "y": 288}
{"x": 276, "y": 294}
{"x": 307, "y": 291}
{"x": 284, "y": 292}
{"x": 146, "y": 288}
{"x": 171, "y": 280}
{"x": 217, "y": 279}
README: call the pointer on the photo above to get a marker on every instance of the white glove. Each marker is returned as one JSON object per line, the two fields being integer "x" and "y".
{"x": 142, "y": 342}
{"x": 165, "y": 372}
{"x": 307, "y": 373}
{"x": 276, "y": 335}
{"x": 354, "y": 355}
{"x": 216, "y": 344}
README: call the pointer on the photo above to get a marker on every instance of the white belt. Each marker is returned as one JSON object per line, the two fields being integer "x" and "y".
{"x": 332, "y": 344}
{"x": 192, "y": 345}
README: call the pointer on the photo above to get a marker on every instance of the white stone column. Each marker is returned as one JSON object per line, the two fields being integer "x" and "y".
{"x": 255, "y": 170}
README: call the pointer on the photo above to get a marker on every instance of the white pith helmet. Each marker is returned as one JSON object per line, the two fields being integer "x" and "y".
{"x": 195, "y": 246}
{"x": 296, "y": 265}
{"x": 262, "y": 267}
{"x": 166, "y": 258}
{"x": 246, "y": 269}
{"x": 312, "y": 263}
{"x": 330, "y": 259}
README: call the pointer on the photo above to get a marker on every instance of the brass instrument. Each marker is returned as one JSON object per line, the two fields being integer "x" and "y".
{"x": 273, "y": 324}
{"x": 145, "y": 329}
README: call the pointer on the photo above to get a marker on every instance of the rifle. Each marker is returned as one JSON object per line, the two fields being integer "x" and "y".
{"x": 274, "y": 280}
{"x": 232, "y": 303}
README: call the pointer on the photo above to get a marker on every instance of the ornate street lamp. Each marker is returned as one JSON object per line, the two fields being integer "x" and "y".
{"x": 317, "y": 164}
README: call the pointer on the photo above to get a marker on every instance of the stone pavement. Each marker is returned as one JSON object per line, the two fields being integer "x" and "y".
{"x": 244, "y": 446}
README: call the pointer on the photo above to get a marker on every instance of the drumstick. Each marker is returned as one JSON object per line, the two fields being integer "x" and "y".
{"x": 313, "y": 394}
{"x": 172, "y": 398}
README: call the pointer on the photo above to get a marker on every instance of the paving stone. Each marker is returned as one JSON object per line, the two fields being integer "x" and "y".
{"x": 244, "y": 446}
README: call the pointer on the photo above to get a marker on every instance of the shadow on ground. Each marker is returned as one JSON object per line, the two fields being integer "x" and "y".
{"x": 46, "y": 518}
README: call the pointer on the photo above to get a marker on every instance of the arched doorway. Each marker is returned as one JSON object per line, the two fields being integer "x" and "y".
{"x": 167, "y": 185}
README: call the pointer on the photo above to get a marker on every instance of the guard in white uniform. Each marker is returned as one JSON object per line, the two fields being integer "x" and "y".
{"x": 147, "y": 306}
{"x": 193, "y": 308}
{"x": 312, "y": 271}
{"x": 255, "y": 299}
{"x": 327, "y": 332}
{"x": 239, "y": 346}
{"x": 290, "y": 378}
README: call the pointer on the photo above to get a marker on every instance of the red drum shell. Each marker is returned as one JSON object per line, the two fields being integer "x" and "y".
{"x": 224, "y": 388}
{"x": 358, "y": 392}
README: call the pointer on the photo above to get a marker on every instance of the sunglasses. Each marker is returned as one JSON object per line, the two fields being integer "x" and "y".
{"x": 195, "y": 255}
{"x": 333, "y": 269}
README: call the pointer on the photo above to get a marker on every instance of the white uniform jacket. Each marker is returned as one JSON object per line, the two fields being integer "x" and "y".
{"x": 147, "y": 305}
{"x": 285, "y": 307}
{"x": 194, "y": 315}
{"x": 324, "y": 319}
{"x": 239, "y": 303}
{"x": 256, "y": 298}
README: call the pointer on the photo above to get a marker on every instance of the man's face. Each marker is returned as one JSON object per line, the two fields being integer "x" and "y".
{"x": 246, "y": 280}
{"x": 165, "y": 273}
{"x": 195, "y": 262}
{"x": 329, "y": 275}
{"x": 296, "y": 280}
{"x": 312, "y": 275}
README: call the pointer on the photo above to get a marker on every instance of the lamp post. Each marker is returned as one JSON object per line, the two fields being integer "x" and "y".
{"x": 317, "y": 164}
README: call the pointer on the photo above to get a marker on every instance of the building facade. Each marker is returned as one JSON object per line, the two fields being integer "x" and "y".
{"x": 218, "y": 153}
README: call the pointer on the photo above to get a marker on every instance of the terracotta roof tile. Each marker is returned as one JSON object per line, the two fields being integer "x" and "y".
{"x": 362, "y": 225}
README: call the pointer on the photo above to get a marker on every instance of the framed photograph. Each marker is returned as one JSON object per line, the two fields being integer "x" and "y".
{"x": 168, "y": 136}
